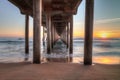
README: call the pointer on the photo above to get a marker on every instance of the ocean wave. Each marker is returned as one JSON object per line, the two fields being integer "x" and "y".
{"x": 108, "y": 45}
{"x": 107, "y": 54}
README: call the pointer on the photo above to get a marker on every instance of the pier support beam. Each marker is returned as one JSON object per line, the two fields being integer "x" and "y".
{"x": 26, "y": 35}
{"x": 55, "y": 35}
{"x": 52, "y": 36}
{"x": 71, "y": 38}
{"x": 48, "y": 22}
{"x": 67, "y": 34}
{"x": 37, "y": 19}
{"x": 88, "y": 32}
{"x": 43, "y": 36}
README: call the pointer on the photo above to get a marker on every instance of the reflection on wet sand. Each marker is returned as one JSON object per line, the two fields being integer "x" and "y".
{"x": 100, "y": 59}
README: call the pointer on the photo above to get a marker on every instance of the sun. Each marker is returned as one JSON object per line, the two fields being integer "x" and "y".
{"x": 104, "y": 35}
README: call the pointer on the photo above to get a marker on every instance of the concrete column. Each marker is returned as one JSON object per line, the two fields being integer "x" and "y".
{"x": 37, "y": 19}
{"x": 27, "y": 34}
{"x": 88, "y": 32}
{"x": 43, "y": 36}
{"x": 48, "y": 22}
{"x": 67, "y": 35}
{"x": 51, "y": 36}
{"x": 71, "y": 38}
{"x": 63, "y": 36}
{"x": 54, "y": 34}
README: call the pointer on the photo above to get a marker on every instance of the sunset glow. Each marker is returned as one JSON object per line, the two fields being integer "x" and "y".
{"x": 106, "y": 25}
{"x": 106, "y": 60}
{"x": 103, "y": 35}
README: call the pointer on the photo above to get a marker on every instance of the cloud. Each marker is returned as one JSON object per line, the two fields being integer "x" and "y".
{"x": 102, "y": 21}
{"x": 107, "y": 20}
{"x": 79, "y": 23}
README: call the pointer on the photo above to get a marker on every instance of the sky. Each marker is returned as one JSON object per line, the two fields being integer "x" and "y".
{"x": 106, "y": 20}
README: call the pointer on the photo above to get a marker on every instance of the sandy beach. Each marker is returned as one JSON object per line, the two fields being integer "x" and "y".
{"x": 58, "y": 71}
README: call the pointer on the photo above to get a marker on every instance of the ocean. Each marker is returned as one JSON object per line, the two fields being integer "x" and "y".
{"x": 105, "y": 51}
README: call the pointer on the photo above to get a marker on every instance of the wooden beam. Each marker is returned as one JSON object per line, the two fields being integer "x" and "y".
{"x": 71, "y": 39}
{"x": 88, "y": 32}
{"x": 37, "y": 18}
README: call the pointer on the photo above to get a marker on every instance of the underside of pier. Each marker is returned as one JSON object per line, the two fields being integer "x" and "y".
{"x": 56, "y": 16}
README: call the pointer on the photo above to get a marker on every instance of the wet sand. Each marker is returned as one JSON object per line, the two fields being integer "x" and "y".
{"x": 58, "y": 71}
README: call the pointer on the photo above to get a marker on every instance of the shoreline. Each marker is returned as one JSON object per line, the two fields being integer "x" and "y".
{"x": 110, "y": 60}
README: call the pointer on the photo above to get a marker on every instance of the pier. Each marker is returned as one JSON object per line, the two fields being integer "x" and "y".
{"x": 54, "y": 53}
{"x": 56, "y": 16}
